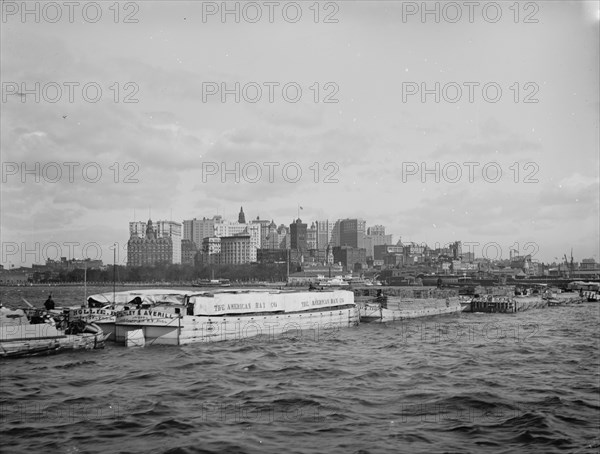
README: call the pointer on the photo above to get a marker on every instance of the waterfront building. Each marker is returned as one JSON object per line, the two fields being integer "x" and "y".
{"x": 271, "y": 255}
{"x": 351, "y": 258}
{"x": 236, "y": 250}
{"x": 161, "y": 243}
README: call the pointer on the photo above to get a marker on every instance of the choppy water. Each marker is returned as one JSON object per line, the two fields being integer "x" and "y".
{"x": 525, "y": 382}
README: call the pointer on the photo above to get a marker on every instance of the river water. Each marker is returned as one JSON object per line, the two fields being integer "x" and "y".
{"x": 497, "y": 383}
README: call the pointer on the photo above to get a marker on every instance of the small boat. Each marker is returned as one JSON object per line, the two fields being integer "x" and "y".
{"x": 35, "y": 332}
{"x": 337, "y": 281}
{"x": 212, "y": 283}
{"x": 593, "y": 297}
{"x": 555, "y": 297}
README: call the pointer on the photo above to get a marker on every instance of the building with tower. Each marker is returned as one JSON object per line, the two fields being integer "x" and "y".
{"x": 160, "y": 243}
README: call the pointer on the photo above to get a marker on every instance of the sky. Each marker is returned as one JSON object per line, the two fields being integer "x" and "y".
{"x": 475, "y": 125}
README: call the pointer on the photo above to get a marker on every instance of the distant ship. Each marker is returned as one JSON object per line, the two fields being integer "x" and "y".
{"x": 337, "y": 281}
{"x": 212, "y": 283}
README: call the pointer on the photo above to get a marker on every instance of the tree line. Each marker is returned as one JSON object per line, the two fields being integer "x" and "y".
{"x": 270, "y": 272}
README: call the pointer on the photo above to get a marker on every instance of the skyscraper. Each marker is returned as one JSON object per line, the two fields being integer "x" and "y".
{"x": 311, "y": 237}
{"x": 197, "y": 229}
{"x": 324, "y": 234}
{"x": 298, "y": 235}
{"x": 352, "y": 233}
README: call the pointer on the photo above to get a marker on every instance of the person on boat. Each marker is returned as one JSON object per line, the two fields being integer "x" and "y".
{"x": 49, "y": 304}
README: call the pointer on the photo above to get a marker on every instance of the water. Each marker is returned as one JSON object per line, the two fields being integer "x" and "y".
{"x": 526, "y": 382}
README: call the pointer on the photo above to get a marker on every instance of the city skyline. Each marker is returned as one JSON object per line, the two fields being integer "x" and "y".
{"x": 378, "y": 132}
{"x": 490, "y": 250}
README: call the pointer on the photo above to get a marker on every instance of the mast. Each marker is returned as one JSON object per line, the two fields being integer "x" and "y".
{"x": 84, "y": 283}
{"x": 114, "y": 269}
{"x": 287, "y": 262}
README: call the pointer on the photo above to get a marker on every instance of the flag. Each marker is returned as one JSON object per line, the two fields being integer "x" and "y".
{"x": 301, "y": 208}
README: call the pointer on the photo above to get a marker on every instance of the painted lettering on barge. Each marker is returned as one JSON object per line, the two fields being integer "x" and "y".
{"x": 323, "y": 302}
{"x": 259, "y": 305}
{"x": 148, "y": 314}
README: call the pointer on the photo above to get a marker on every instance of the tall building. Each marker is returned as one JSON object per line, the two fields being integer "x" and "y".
{"x": 376, "y": 230}
{"x": 285, "y": 240}
{"x": 298, "y": 235}
{"x": 137, "y": 228}
{"x": 271, "y": 240}
{"x": 311, "y": 237}
{"x": 375, "y": 237}
{"x": 352, "y": 233}
{"x": 264, "y": 227}
{"x": 197, "y": 229}
{"x": 188, "y": 252}
{"x": 160, "y": 243}
{"x": 171, "y": 229}
{"x": 456, "y": 249}
{"x": 241, "y": 216}
{"x": 211, "y": 250}
{"x": 235, "y": 250}
{"x": 335, "y": 234}
{"x": 324, "y": 233}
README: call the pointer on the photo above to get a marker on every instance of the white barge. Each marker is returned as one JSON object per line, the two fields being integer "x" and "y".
{"x": 102, "y": 308}
{"x": 222, "y": 315}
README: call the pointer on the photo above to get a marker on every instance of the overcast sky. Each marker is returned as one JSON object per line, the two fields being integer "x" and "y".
{"x": 370, "y": 145}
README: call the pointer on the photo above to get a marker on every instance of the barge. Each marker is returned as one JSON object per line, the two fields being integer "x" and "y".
{"x": 222, "y": 315}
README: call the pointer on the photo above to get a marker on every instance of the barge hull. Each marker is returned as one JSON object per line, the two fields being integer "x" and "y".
{"x": 193, "y": 329}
